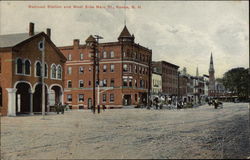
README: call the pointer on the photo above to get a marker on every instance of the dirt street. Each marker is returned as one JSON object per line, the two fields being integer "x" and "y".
{"x": 201, "y": 132}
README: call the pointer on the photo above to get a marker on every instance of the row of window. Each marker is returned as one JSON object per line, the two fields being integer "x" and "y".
{"x": 23, "y": 67}
{"x": 111, "y": 54}
{"x": 135, "y": 55}
{"x": 103, "y": 55}
{"x": 81, "y": 97}
{"x": 127, "y": 82}
{"x": 135, "y": 69}
{"x": 103, "y": 83}
{"x": 81, "y": 69}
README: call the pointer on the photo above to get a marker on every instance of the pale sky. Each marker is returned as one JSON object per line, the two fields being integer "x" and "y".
{"x": 182, "y": 33}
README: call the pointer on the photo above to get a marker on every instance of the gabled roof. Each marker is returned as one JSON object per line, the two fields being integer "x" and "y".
{"x": 125, "y": 32}
{"x": 10, "y": 40}
{"x": 15, "y": 40}
{"x": 90, "y": 39}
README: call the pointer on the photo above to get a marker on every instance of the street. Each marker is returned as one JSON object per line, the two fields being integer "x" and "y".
{"x": 202, "y": 132}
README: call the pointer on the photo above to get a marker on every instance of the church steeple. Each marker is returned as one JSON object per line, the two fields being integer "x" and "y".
{"x": 211, "y": 66}
{"x": 125, "y": 35}
{"x": 211, "y": 87}
{"x": 197, "y": 71}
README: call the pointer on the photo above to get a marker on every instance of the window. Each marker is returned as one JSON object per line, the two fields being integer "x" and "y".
{"x": 124, "y": 54}
{"x": 81, "y": 70}
{"x": 125, "y": 68}
{"x": 81, "y": 56}
{"x": 69, "y": 71}
{"x": 112, "y": 68}
{"x": 69, "y": 84}
{"x": 104, "y": 98}
{"x": 80, "y": 97}
{"x": 104, "y": 54}
{"x": 89, "y": 83}
{"x": 90, "y": 69}
{"x": 130, "y": 82}
{"x": 69, "y": 97}
{"x": 59, "y": 72}
{"x": 141, "y": 83}
{"x": 38, "y": 69}
{"x": 27, "y": 67}
{"x": 19, "y": 63}
{"x": 112, "y": 98}
{"x": 125, "y": 82}
{"x": 81, "y": 84}
{"x": 104, "y": 68}
{"x": 135, "y": 68}
{"x": 69, "y": 57}
{"x": 135, "y": 83}
{"x": 104, "y": 83}
{"x": 112, "y": 82}
{"x": 53, "y": 71}
{"x": 112, "y": 54}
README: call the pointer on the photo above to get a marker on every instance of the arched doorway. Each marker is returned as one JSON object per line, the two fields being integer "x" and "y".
{"x": 23, "y": 98}
{"x": 37, "y": 98}
{"x": 56, "y": 95}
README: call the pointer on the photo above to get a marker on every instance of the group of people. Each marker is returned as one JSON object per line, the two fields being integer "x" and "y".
{"x": 215, "y": 103}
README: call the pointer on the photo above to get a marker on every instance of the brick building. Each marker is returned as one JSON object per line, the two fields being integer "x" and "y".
{"x": 169, "y": 77}
{"x": 124, "y": 72}
{"x": 21, "y": 69}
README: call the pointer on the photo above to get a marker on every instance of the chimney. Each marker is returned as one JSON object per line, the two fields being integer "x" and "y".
{"x": 76, "y": 43}
{"x": 48, "y": 32}
{"x": 31, "y": 29}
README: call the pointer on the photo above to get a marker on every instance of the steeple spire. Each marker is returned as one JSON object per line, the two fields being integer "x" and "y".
{"x": 125, "y": 35}
{"x": 211, "y": 66}
{"x": 197, "y": 71}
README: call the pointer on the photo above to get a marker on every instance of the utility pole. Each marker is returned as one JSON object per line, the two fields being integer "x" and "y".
{"x": 93, "y": 51}
{"x": 41, "y": 47}
{"x": 97, "y": 37}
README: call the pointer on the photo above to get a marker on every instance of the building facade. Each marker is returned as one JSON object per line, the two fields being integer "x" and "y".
{"x": 123, "y": 73}
{"x": 156, "y": 82}
{"x": 21, "y": 70}
{"x": 169, "y": 73}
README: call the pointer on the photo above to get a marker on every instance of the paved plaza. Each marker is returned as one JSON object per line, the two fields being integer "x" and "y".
{"x": 201, "y": 132}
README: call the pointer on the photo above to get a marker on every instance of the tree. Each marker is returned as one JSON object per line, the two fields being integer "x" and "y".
{"x": 236, "y": 80}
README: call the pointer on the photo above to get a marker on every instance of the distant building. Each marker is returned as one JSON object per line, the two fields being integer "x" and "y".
{"x": 124, "y": 73}
{"x": 21, "y": 70}
{"x": 156, "y": 82}
{"x": 169, "y": 77}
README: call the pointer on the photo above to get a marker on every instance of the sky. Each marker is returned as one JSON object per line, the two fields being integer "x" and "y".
{"x": 184, "y": 33}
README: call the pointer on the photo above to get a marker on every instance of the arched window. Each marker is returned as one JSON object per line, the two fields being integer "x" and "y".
{"x": 27, "y": 67}
{"x": 104, "y": 54}
{"x": 19, "y": 66}
{"x": 53, "y": 71}
{"x": 38, "y": 69}
{"x": 59, "y": 72}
